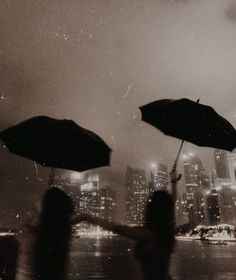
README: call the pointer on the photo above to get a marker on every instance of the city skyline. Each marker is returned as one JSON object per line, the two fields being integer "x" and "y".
{"x": 204, "y": 197}
{"x": 96, "y": 64}
{"x": 106, "y": 181}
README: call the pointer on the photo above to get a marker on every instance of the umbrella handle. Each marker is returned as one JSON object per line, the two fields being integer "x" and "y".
{"x": 177, "y": 157}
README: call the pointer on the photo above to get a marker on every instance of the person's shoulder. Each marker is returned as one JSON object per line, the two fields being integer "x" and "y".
{"x": 31, "y": 229}
{"x": 26, "y": 232}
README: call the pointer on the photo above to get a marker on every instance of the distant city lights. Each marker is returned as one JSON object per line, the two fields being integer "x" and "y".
{"x": 153, "y": 165}
{"x": 94, "y": 232}
{"x": 75, "y": 176}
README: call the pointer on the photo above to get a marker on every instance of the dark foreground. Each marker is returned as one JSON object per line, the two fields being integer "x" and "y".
{"x": 113, "y": 259}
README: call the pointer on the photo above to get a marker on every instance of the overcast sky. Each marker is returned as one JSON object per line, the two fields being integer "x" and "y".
{"x": 97, "y": 61}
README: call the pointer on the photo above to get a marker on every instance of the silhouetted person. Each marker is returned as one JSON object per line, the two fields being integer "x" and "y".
{"x": 154, "y": 252}
{"x": 155, "y": 240}
{"x": 53, "y": 235}
{"x": 8, "y": 257}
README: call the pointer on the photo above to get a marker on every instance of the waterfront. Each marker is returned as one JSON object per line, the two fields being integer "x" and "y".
{"x": 113, "y": 259}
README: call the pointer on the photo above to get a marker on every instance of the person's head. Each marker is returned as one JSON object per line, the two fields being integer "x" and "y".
{"x": 159, "y": 215}
{"x": 56, "y": 205}
{"x": 53, "y": 235}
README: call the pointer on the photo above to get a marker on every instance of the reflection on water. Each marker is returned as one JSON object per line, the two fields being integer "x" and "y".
{"x": 114, "y": 259}
{"x": 196, "y": 260}
{"x": 102, "y": 259}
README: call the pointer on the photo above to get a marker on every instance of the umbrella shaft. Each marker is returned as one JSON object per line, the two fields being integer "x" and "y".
{"x": 177, "y": 157}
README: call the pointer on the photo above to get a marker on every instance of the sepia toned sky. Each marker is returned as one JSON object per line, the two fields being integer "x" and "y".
{"x": 97, "y": 61}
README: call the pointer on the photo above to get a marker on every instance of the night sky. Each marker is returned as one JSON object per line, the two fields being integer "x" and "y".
{"x": 96, "y": 62}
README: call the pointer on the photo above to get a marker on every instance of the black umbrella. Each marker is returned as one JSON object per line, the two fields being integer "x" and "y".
{"x": 190, "y": 121}
{"x": 57, "y": 143}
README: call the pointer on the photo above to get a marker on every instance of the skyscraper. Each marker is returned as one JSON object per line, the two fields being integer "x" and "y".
{"x": 89, "y": 201}
{"x": 107, "y": 203}
{"x": 136, "y": 196}
{"x": 181, "y": 213}
{"x": 232, "y": 167}
{"x": 193, "y": 170}
{"x": 206, "y": 179}
{"x": 227, "y": 205}
{"x": 213, "y": 209}
{"x": 89, "y": 197}
{"x": 221, "y": 164}
{"x": 226, "y": 185}
{"x": 159, "y": 177}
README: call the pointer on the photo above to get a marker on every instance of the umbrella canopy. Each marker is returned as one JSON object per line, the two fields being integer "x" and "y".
{"x": 190, "y": 121}
{"x": 57, "y": 143}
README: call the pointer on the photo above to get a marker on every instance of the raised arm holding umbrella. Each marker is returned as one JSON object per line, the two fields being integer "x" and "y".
{"x": 190, "y": 121}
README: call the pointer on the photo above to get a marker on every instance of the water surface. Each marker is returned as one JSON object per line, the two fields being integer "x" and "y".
{"x": 114, "y": 259}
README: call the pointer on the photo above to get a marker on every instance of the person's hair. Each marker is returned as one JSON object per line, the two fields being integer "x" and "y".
{"x": 56, "y": 205}
{"x": 53, "y": 235}
{"x": 159, "y": 215}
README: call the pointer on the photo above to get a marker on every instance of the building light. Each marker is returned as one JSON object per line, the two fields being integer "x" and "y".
{"x": 86, "y": 187}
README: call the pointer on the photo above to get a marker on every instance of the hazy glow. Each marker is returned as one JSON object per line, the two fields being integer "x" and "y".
{"x": 96, "y": 232}
{"x": 87, "y": 187}
{"x": 184, "y": 157}
{"x": 233, "y": 187}
{"x": 153, "y": 165}
{"x": 75, "y": 176}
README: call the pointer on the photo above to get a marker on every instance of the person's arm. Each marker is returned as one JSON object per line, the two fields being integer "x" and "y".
{"x": 136, "y": 233}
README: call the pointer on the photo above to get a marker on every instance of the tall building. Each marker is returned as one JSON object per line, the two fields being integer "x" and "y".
{"x": 213, "y": 208}
{"x": 89, "y": 201}
{"x": 233, "y": 189}
{"x": 159, "y": 177}
{"x": 89, "y": 197}
{"x": 193, "y": 170}
{"x": 221, "y": 164}
{"x": 227, "y": 198}
{"x": 206, "y": 180}
{"x": 136, "y": 196}
{"x": 181, "y": 212}
{"x": 232, "y": 167}
{"x": 107, "y": 203}
{"x": 226, "y": 185}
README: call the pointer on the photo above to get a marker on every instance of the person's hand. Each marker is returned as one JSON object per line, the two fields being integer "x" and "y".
{"x": 78, "y": 218}
{"x": 174, "y": 177}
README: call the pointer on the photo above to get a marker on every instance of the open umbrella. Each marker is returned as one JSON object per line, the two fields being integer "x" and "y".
{"x": 57, "y": 143}
{"x": 190, "y": 121}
